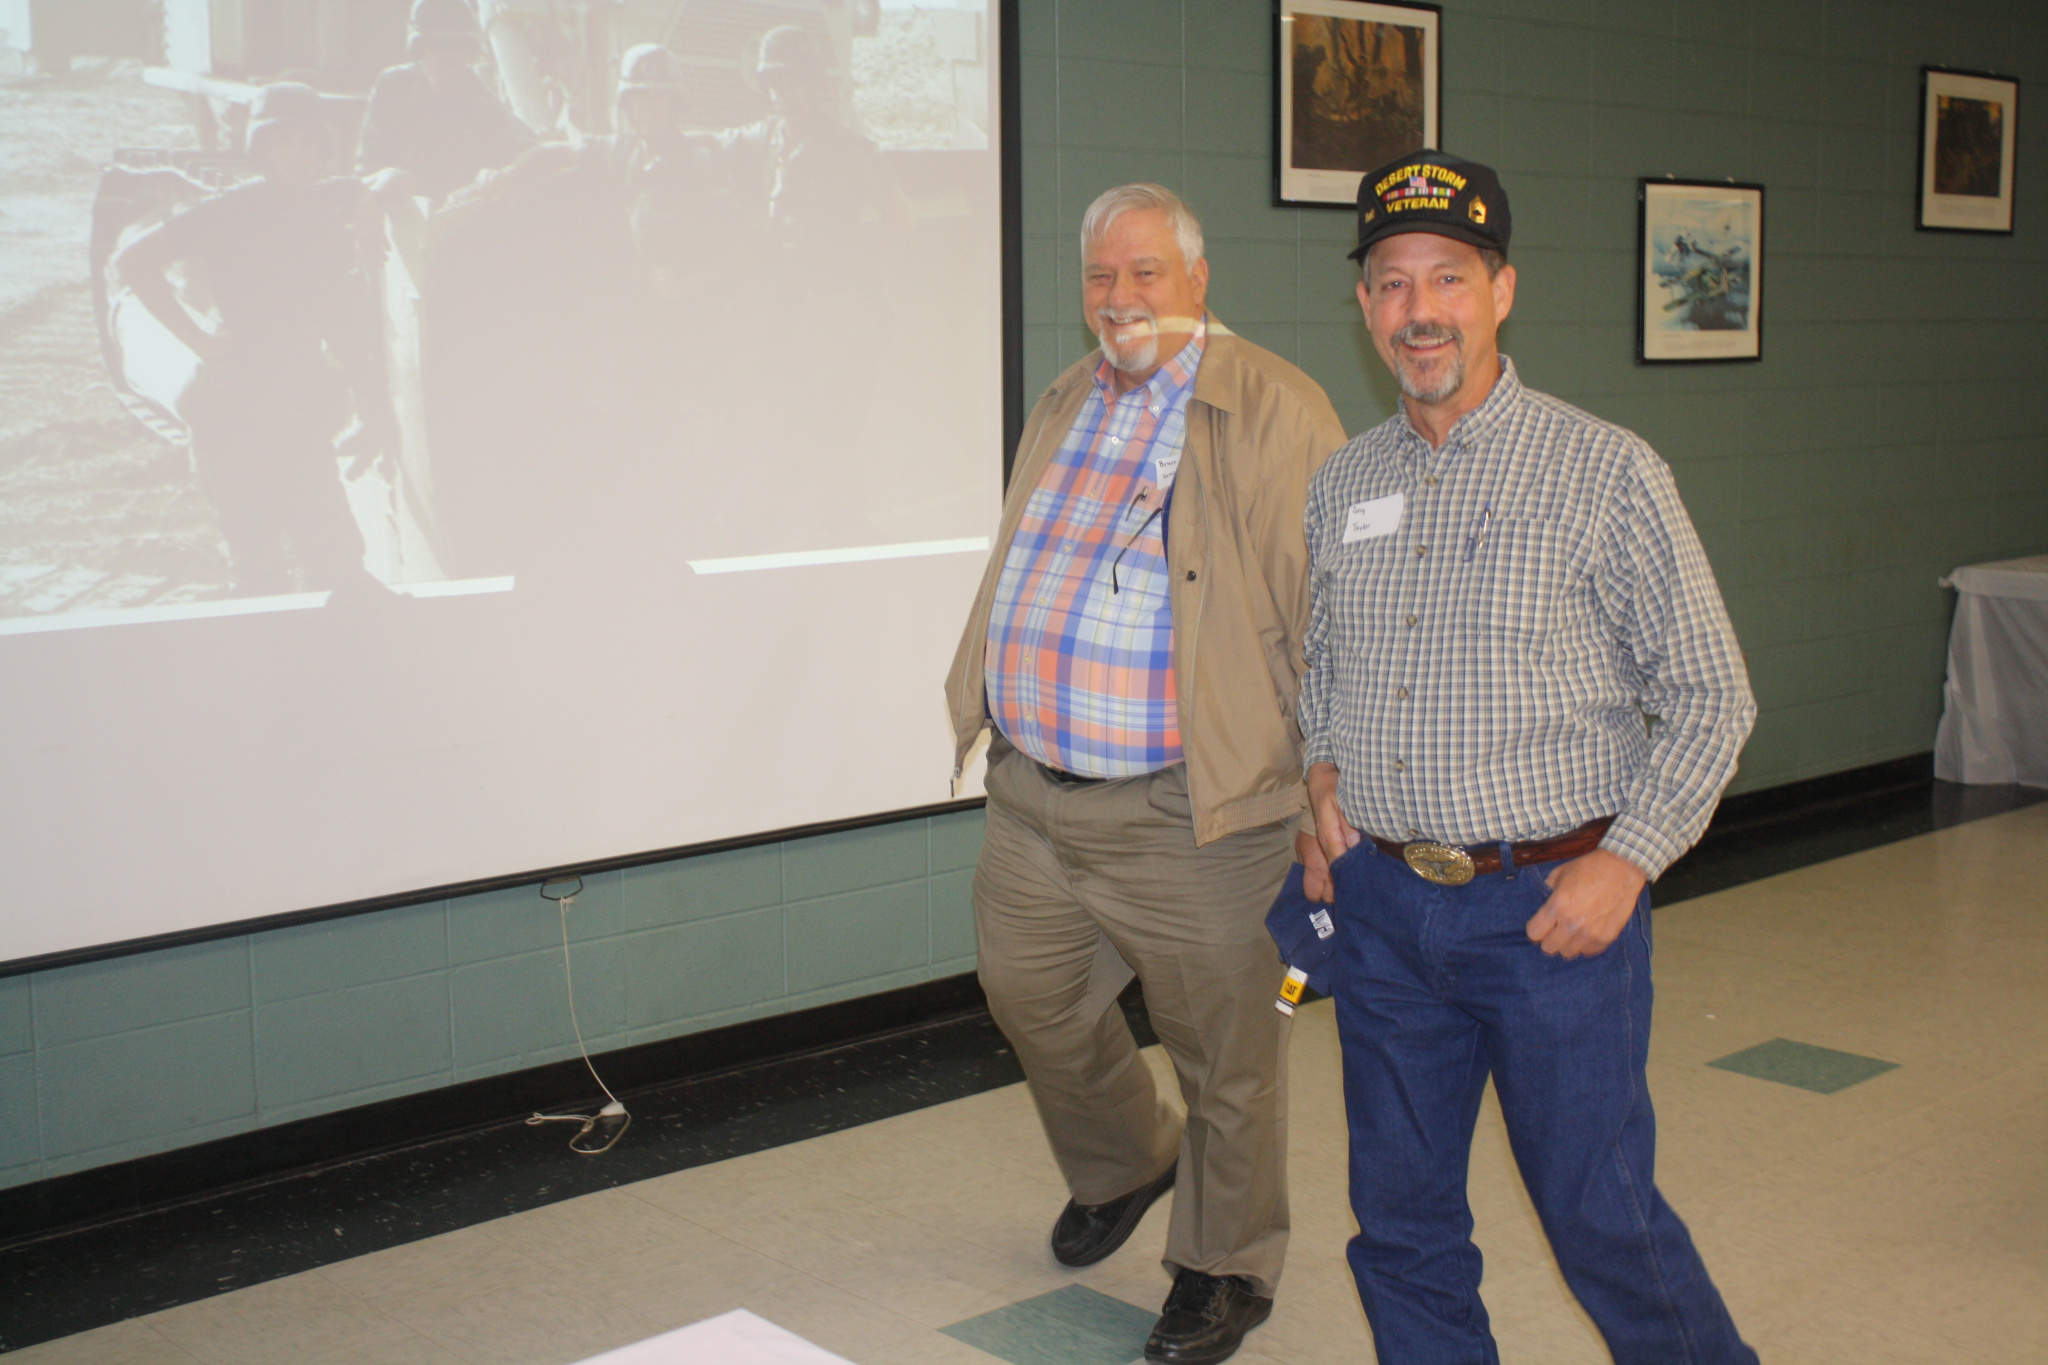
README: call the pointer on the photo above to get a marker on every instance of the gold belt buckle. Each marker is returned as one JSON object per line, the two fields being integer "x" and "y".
{"x": 1439, "y": 863}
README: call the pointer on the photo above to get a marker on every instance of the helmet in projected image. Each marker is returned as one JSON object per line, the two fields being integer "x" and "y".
{"x": 443, "y": 21}
{"x": 285, "y": 104}
{"x": 788, "y": 49}
{"x": 649, "y": 66}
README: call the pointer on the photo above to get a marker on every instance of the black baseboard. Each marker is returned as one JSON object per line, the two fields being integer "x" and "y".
{"x": 1744, "y": 812}
{"x": 126, "y": 1188}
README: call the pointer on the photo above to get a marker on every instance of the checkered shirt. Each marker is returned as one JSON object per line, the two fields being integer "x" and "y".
{"x": 1079, "y": 664}
{"x": 1484, "y": 670}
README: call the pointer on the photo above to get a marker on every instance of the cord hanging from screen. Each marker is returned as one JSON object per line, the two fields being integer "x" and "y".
{"x": 600, "y": 1131}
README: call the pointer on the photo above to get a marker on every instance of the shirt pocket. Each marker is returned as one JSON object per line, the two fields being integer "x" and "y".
{"x": 1133, "y": 592}
{"x": 1517, "y": 581}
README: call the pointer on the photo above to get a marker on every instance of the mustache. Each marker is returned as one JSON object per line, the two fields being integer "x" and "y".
{"x": 1429, "y": 331}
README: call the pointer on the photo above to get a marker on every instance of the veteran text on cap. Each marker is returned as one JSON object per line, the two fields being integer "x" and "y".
{"x": 1431, "y": 192}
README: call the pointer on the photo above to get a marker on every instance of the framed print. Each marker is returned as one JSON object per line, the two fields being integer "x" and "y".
{"x": 1356, "y": 85}
{"x": 1699, "y": 278}
{"x": 1967, "y": 127}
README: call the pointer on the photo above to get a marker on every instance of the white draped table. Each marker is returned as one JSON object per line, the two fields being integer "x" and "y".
{"x": 1994, "y": 713}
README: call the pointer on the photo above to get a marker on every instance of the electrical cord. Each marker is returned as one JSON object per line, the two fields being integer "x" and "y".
{"x": 600, "y": 1131}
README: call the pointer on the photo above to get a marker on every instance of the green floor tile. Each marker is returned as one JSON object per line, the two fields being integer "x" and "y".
{"x": 1820, "y": 1069}
{"x": 1071, "y": 1326}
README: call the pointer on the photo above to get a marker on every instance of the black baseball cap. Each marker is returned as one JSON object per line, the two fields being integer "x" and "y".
{"x": 1428, "y": 191}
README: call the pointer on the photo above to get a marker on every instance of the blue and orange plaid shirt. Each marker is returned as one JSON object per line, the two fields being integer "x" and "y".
{"x": 1079, "y": 664}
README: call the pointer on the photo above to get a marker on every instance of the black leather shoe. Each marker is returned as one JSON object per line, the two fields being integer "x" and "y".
{"x": 1085, "y": 1233}
{"x": 1205, "y": 1319}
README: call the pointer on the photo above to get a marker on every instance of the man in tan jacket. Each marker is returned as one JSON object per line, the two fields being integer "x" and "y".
{"x": 1137, "y": 645}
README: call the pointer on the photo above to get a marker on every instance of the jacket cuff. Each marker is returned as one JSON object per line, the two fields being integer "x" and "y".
{"x": 1648, "y": 847}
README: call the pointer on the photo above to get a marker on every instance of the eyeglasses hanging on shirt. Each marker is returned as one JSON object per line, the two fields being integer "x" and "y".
{"x": 1147, "y": 495}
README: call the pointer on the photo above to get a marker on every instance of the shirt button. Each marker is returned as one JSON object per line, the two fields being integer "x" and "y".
{"x": 1415, "y": 834}
{"x": 1408, "y": 620}
{"x": 1400, "y": 766}
{"x": 1429, "y": 479}
{"x": 1421, "y": 551}
{"x": 1401, "y": 692}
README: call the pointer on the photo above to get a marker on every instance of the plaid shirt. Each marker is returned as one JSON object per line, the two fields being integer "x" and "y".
{"x": 1483, "y": 653}
{"x": 1079, "y": 664}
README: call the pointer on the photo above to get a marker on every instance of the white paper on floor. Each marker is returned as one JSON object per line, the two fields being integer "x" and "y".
{"x": 735, "y": 1338}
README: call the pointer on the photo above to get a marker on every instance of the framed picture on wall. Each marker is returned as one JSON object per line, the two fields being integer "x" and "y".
{"x": 1967, "y": 127}
{"x": 1356, "y": 85}
{"x": 1699, "y": 275}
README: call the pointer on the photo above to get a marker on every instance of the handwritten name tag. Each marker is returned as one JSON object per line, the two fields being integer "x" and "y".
{"x": 1380, "y": 517}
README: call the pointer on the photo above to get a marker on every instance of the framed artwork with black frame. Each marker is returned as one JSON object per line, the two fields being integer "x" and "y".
{"x": 1969, "y": 122}
{"x": 1699, "y": 275}
{"x": 1356, "y": 84}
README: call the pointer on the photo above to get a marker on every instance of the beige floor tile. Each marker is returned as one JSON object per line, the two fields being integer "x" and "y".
{"x": 1322, "y": 1325}
{"x": 134, "y": 1342}
{"x": 625, "y": 1253}
{"x": 865, "y": 1333}
{"x": 304, "y": 1319}
{"x": 891, "y": 1260}
{"x": 486, "y": 1301}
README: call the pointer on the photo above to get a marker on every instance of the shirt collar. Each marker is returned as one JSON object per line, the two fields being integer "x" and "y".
{"x": 1506, "y": 391}
{"x": 1169, "y": 380}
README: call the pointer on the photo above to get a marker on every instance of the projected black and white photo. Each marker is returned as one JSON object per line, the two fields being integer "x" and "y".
{"x": 378, "y": 297}
{"x": 441, "y": 439}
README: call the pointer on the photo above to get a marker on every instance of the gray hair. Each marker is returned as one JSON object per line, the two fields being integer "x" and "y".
{"x": 1113, "y": 204}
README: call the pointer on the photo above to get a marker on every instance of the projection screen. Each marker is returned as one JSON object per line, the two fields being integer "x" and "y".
{"x": 447, "y": 440}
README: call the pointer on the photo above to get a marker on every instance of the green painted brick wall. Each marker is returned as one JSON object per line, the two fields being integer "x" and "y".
{"x": 1898, "y": 424}
{"x": 118, "y": 1059}
{"x": 1894, "y": 430}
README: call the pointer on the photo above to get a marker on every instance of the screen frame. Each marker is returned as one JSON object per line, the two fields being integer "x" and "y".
{"x": 1010, "y": 178}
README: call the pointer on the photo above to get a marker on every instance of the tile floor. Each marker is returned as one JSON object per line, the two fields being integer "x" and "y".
{"x": 1851, "y": 1210}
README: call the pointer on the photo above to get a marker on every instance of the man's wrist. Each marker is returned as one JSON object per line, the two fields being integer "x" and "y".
{"x": 1644, "y": 847}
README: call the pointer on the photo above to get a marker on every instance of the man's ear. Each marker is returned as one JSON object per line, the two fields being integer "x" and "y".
{"x": 1503, "y": 293}
{"x": 1198, "y": 275}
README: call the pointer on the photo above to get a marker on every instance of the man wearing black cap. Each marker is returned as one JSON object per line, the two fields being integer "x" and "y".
{"x": 1523, "y": 701}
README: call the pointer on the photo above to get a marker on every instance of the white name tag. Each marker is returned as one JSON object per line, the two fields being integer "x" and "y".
{"x": 1168, "y": 466}
{"x": 1380, "y": 517}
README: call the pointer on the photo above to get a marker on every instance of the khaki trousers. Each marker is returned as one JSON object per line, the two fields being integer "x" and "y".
{"x": 1074, "y": 882}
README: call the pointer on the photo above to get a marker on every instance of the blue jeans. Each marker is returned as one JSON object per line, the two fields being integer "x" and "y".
{"x": 1437, "y": 987}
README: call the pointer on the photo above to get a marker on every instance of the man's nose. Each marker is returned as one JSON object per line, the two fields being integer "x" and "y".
{"x": 1426, "y": 305}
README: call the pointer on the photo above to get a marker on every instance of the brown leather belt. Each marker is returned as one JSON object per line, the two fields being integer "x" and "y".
{"x": 1451, "y": 865}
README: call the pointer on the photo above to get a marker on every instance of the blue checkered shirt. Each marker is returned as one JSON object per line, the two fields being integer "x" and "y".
{"x": 1482, "y": 668}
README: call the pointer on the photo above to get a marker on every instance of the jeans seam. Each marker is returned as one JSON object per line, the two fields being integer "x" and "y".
{"x": 1628, "y": 1184}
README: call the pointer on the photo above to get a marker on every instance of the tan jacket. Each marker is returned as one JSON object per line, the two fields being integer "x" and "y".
{"x": 1257, "y": 431}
